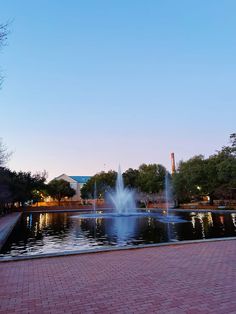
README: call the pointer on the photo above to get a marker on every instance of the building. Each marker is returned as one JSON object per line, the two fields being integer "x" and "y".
{"x": 76, "y": 182}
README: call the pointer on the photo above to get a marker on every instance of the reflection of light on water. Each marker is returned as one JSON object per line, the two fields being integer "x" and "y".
{"x": 222, "y": 219}
{"x": 209, "y": 219}
{"x": 123, "y": 228}
{"x": 64, "y": 222}
{"x": 233, "y": 215}
{"x": 44, "y": 220}
{"x": 41, "y": 219}
{"x": 172, "y": 235}
{"x": 204, "y": 219}
{"x": 200, "y": 216}
{"x": 36, "y": 228}
{"x": 29, "y": 221}
{"x": 85, "y": 234}
{"x": 98, "y": 221}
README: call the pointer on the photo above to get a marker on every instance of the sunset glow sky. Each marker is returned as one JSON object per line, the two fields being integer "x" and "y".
{"x": 93, "y": 84}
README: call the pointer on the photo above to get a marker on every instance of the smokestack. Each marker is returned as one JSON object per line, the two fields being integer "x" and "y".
{"x": 172, "y": 156}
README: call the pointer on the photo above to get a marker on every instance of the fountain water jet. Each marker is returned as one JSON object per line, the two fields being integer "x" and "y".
{"x": 122, "y": 198}
{"x": 167, "y": 218}
{"x": 94, "y": 196}
{"x": 123, "y": 202}
{"x": 167, "y": 193}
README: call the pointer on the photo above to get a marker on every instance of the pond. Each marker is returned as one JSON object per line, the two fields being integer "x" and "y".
{"x": 38, "y": 233}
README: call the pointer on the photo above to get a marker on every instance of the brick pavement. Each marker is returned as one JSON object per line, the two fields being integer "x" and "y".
{"x": 192, "y": 278}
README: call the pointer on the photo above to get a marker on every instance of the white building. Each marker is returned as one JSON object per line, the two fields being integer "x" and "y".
{"x": 76, "y": 182}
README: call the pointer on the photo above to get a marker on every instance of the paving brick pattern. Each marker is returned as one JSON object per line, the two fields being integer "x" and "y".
{"x": 192, "y": 278}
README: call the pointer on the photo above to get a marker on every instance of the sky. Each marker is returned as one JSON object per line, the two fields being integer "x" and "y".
{"x": 91, "y": 84}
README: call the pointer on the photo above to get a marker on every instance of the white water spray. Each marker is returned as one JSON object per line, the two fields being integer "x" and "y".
{"x": 122, "y": 198}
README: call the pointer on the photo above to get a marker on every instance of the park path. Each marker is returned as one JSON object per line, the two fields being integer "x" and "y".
{"x": 193, "y": 278}
{"x": 7, "y": 223}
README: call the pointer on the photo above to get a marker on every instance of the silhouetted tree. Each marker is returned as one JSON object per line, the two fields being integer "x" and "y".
{"x": 19, "y": 187}
{"x": 104, "y": 182}
{"x": 3, "y": 37}
{"x": 214, "y": 176}
{"x": 58, "y": 189}
{"x": 4, "y": 154}
{"x": 131, "y": 177}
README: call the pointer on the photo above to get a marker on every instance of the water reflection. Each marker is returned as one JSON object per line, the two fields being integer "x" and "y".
{"x": 234, "y": 219}
{"x": 121, "y": 229}
{"x": 47, "y": 232}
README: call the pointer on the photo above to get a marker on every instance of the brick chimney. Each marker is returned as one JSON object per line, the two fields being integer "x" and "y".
{"x": 172, "y": 156}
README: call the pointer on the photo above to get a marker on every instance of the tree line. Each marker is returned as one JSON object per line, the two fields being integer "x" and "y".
{"x": 214, "y": 176}
{"x": 18, "y": 189}
{"x": 148, "y": 180}
{"x": 198, "y": 177}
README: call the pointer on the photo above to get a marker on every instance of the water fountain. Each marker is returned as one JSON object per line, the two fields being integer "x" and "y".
{"x": 167, "y": 217}
{"x": 94, "y": 196}
{"x": 122, "y": 198}
{"x": 123, "y": 204}
{"x": 167, "y": 193}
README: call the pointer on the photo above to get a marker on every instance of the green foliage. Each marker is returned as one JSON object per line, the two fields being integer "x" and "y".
{"x": 104, "y": 182}
{"x": 214, "y": 176}
{"x": 24, "y": 185}
{"x": 148, "y": 178}
{"x": 131, "y": 178}
{"x": 59, "y": 189}
{"x": 19, "y": 187}
{"x": 189, "y": 178}
{"x": 151, "y": 178}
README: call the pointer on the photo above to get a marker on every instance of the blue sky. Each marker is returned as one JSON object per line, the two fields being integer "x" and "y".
{"x": 91, "y": 84}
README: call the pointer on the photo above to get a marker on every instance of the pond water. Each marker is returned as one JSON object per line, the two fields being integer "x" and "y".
{"x": 38, "y": 233}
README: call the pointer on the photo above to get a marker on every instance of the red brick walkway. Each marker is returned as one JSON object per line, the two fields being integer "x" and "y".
{"x": 193, "y": 278}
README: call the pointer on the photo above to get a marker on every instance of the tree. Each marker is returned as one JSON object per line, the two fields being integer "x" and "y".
{"x": 105, "y": 181}
{"x": 19, "y": 187}
{"x": 189, "y": 179}
{"x": 24, "y": 184}
{"x": 4, "y": 154}
{"x": 221, "y": 171}
{"x": 59, "y": 189}
{"x": 214, "y": 176}
{"x": 131, "y": 177}
{"x": 151, "y": 178}
{"x": 3, "y": 37}
{"x": 3, "y": 33}
{"x": 148, "y": 179}
{"x": 6, "y": 196}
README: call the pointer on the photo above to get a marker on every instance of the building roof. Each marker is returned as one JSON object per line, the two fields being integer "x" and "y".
{"x": 80, "y": 179}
